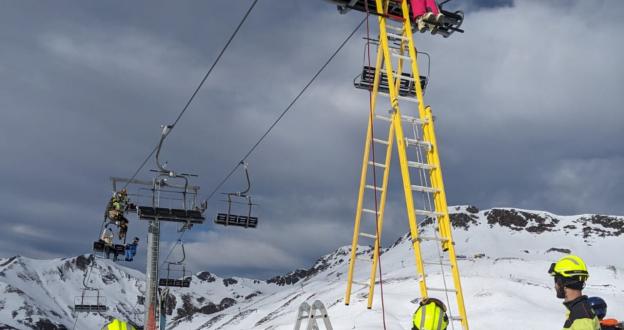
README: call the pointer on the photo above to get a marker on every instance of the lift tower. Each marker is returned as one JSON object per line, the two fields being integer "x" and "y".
{"x": 170, "y": 198}
{"x": 396, "y": 77}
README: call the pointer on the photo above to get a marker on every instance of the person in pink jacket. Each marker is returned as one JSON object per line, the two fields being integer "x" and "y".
{"x": 426, "y": 12}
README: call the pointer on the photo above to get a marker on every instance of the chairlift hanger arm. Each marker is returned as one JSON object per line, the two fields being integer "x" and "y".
{"x": 244, "y": 192}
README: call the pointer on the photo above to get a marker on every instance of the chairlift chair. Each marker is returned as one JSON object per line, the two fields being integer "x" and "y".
{"x": 452, "y": 20}
{"x": 103, "y": 250}
{"x": 90, "y": 303}
{"x": 167, "y": 182}
{"x": 233, "y": 219}
{"x": 176, "y": 268}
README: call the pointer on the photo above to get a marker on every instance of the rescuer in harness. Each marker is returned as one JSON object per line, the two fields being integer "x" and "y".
{"x": 117, "y": 206}
{"x": 570, "y": 274}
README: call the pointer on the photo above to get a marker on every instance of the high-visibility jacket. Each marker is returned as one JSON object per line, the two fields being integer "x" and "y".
{"x": 118, "y": 325}
{"x": 580, "y": 315}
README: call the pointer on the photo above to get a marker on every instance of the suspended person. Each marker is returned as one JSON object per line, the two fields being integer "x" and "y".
{"x": 426, "y": 14}
{"x": 117, "y": 206}
{"x": 599, "y": 306}
{"x": 430, "y": 315}
{"x": 131, "y": 249}
{"x": 570, "y": 274}
{"x": 107, "y": 239}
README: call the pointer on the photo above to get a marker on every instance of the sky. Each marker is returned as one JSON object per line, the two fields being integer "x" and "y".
{"x": 527, "y": 105}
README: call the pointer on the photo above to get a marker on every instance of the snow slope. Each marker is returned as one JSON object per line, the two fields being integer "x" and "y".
{"x": 505, "y": 254}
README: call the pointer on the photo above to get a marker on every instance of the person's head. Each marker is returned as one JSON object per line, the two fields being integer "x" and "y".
{"x": 430, "y": 315}
{"x": 570, "y": 274}
{"x": 599, "y": 306}
{"x": 136, "y": 240}
{"x": 123, "y": 192}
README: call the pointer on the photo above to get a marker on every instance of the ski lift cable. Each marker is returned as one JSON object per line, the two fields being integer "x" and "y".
{"x": 201, "y": 83}
{"x": 288, "y": 108}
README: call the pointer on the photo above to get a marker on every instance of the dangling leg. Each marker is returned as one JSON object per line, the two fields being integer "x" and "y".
{"x": 123, "y": 228}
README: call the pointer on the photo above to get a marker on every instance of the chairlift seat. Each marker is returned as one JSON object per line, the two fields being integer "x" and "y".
{"x": 180, "y": 283}
{"x": 406, "y": 87}
{"x": 90, "y": 308}
{"x": 99, "y": 246}
{"x": 90, "y": 304}
{"x": 236, "y": 220}
{"x": 173, "y": 215}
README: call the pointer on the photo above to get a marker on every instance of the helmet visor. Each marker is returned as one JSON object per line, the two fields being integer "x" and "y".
{"x": 551, "y": 270}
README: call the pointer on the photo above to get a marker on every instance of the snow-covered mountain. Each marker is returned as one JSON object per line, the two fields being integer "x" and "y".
{"x": 504, "y": 255}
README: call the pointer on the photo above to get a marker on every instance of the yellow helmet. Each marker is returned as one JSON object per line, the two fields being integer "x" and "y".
{"x": 430, "y": 315}
{"x": 116, "y": 324}
{"x": 570, "y": 266}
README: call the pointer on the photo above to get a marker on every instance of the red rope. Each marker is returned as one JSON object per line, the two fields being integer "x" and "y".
{"x": 372, "y": 146}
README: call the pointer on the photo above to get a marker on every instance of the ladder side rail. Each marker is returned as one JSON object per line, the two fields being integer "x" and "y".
{"x": 319, "y": 306}
{"x": 304, "y": 307}
{"x": 360, "y": 202}
{"x": 445, "y": 223}
{"x": 436, "y": 176}
{"x": 380, "y": 214}
{"x": 400, "y": 141}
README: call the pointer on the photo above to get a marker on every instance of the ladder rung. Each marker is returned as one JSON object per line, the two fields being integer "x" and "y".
{"x": 417, "y": 142}
{"x": 436, "y": 263}
{"x": 455, "y": 318}
{"x": 370, "y": 211}
{"x": 431, "y": 214}
{"x": 395, "y": 28}
{"x": 408, "y": 78}
{"x": 441, "y": 289}
{"x": 405, "y": 57}
{"x": 368, "y": 235}
{"x": 429, "y": 238}
{"x": 384, "y": 118}
{"x": 380, "y": 141}
{"x": 377, "y": 164}
{"x": 397, "y": 36}
{"x": 364, "y": 259}
{"x": 370, "y": 186}
{"x": 420, "y": 165}
{"x": 424, "y": 189}
{"x": 414, "y": 120}
{"x": 403, "y": 98}
{"x": 360, "y": 283}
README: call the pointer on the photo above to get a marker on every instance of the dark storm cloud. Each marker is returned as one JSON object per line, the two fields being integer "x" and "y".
{"x": 527, "y": 104}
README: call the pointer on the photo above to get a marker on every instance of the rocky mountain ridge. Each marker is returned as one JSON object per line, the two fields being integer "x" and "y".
{"x": 40, "y": 294}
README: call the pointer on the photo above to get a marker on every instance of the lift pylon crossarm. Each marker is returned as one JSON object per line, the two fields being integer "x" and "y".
{"x": 408, "y": 126}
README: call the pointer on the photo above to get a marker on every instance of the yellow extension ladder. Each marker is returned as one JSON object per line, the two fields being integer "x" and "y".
{"x": 419, "y": 162}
